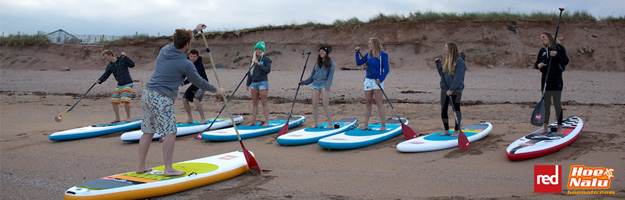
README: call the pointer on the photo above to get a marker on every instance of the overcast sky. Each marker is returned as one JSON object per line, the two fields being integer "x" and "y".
{"x": 125, "y": 17}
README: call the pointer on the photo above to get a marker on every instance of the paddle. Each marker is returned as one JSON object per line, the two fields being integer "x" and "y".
{"x": 539, "y": 111}
{"x": 406, "y": 130}
{"x": 199, "y": 136}
{"x": 251, "y": 161}
{"x": 285, "y": 128}
{"x": 463, "y": 141}
{"x": 59, "y": 117}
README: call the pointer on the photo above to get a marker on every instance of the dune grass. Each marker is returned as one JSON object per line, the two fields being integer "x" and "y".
{"x": 577, "y": 16}
{"x": 24, "y": 40}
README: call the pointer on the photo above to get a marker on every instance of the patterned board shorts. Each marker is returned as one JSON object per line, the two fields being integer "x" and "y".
{"x": 370, "y": 84}
{"x": 122, "y": 93}
{"x": 159, "y": 115}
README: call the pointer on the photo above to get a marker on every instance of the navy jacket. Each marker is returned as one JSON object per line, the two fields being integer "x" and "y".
{"x": 558, "y": 65}
{"x": 199, "y": 66}
{"x": 259, "y": 73}
{"x": 119, "y": 69}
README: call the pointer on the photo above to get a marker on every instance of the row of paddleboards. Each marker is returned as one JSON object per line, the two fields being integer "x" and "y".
{"x": 342, "y": 135}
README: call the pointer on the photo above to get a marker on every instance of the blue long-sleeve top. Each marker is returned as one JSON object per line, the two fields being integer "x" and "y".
{"x": 377, "y": 67}
{"x": 321, "y": 75}
{"x": 453, "y": 83}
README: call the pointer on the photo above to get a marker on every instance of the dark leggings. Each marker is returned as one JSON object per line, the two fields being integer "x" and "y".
{"x": 557, "y": 104}
{"x": 456, "y": 97}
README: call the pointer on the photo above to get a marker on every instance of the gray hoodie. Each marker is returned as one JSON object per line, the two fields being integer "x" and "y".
{"x": 453, "y": 83}
{"x": 172, "y": 66}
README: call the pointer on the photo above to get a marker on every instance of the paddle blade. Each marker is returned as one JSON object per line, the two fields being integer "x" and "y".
{"x": 283, "y": 130}
{"x": 463, "y": 142}
{"x": 251, "y": 161}
{"x": 408, "y": 132}
{"x": 538, "y": 114}
{"x": 58, "y": 118}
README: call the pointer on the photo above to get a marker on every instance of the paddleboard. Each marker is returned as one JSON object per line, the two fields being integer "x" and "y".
{"x": 311, "y": 135}
{"x": 256, "y": 130}
{"x": 434, "y": 141}
{"x": 130, "y": 185}
{"x": 95, "y": 130}
{"x": 185, "y": 128}
{"x": 535, "y": 144}
{"x": 358, "y": 138}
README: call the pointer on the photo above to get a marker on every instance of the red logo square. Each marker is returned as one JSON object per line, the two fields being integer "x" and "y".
{"x": 547, "y": 179}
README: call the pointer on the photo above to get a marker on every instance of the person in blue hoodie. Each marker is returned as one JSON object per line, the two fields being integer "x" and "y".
{"x": 321, "y": 79}
{"x": 559, "y": 60}
{"x": 377, "y": 69}
{"x": 452, "y": 84}
{"x": 193, "y": 92}
{"x": 159, "y": 116}
{"x": 259, "y": 83}
{"x": 118, "y": 66}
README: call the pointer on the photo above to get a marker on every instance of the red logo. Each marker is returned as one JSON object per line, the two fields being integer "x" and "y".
{"x": 228, "y": 157}
{"x": 547, "y": 179}
{"x": 538, "y": 116}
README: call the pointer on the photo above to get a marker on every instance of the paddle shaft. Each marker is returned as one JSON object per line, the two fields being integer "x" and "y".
{"x": 83, "y": 95}
{"x": 297, "y": 91}
{"x": 389, "y": 101}
{"x": 210, "y": 57}
{"x": 555, "y": 38}
{"x": 229, "y": 98}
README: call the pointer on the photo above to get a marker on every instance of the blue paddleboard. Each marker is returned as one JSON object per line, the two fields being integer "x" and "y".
{"x": 358, "y": 138}
{"x": 95, "y": 130}
{"x": 229, "y": 134}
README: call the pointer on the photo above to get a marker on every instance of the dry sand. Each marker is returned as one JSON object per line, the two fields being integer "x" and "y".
{"x": 33, "y": 167}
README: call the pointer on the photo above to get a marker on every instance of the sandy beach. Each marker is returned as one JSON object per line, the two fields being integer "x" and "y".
{"x": 33, "y": 167}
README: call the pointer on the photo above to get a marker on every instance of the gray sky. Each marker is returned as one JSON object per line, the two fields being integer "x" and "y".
{"x": 125, "y": 17}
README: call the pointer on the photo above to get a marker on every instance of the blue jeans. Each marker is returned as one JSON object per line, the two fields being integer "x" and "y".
{"x": 261, "y": 85}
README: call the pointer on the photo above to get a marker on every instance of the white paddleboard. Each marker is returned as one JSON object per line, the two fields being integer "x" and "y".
{"x": 185, "y": 128}
{"x": 535, "y": 144}
{"x": 130, "y": 185}
{"x": 434, "y": 141}
{"x": 312, "y": 135}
